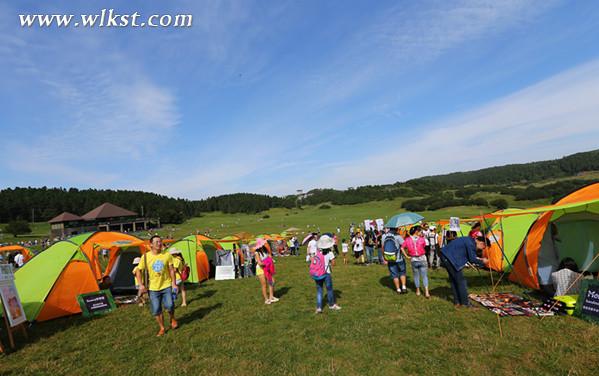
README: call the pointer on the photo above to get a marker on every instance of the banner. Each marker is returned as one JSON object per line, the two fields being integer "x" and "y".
{"x": 587, "y": 305}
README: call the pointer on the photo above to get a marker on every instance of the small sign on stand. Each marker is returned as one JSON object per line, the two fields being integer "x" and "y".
{"x": 587, "y": 306}
{"x": 96, "y": 303}
{"x": 454, "y": 224}
{"x": 12, "y": 309}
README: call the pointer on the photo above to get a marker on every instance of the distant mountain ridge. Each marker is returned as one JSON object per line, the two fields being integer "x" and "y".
{"x": 524, "y": 172}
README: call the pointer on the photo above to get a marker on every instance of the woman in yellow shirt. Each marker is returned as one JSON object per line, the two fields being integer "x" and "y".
{"x": 179, "y": 264}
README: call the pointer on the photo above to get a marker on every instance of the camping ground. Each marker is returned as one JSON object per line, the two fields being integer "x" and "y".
{"x": 226, "y": 329}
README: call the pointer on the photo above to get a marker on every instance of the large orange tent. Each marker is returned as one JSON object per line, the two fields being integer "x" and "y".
{"x": 575, "y": 220}
{"x": 120, "y": 263}
{"x": 89, "y": 241}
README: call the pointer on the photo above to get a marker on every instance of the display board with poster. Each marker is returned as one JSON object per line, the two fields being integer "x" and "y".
{"x": 13, "y": 312}
{"x": 10, "y": 297}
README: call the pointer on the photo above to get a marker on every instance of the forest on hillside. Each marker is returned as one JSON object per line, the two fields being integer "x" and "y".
{"x": 427, "y": 193}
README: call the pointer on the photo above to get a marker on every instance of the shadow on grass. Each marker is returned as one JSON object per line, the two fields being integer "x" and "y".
{"x": 443, "y": 292}
{"x": 283, "y": 291}
{"x": 387, "y": 282}
{"x": 41, "y": 330}
{"x": 207, "y": 294}
{"x": 198, "y": 314}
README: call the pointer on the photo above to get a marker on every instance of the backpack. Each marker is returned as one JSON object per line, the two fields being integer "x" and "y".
{"x": 185, "y": 273}
{"x": 390, "y": 249}
{"x": 317, "y": 267}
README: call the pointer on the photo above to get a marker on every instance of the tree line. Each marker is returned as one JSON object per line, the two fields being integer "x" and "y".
{"x": 428, "y": 193}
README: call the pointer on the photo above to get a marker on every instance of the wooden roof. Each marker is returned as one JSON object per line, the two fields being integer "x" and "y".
{"x": 108, "y": 210}
{"x": 65, "y": 217}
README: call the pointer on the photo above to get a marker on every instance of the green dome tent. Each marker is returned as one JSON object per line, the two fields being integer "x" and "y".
{"x": 49, "y": 283}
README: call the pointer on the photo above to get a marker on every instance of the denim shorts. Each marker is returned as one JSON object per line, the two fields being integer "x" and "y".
{"x": 160, "y": 299}
{"x": 397, "y": 269}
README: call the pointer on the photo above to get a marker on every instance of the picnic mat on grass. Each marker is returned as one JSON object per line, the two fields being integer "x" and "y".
{"x": 125, "y": 299}
{"x": 507, "y": 304}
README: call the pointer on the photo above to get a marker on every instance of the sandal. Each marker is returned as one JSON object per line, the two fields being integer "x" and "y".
{"x": 160, "y": 332}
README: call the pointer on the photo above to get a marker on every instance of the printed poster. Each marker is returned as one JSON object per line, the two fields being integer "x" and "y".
{"x": 454, "y": 224}
{"x": 12, "y": 303}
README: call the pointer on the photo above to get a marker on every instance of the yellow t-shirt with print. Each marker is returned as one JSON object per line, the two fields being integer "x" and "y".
{"x": 158, "y": 269}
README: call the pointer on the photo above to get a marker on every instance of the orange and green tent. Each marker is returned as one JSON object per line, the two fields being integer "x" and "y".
{"x": 506, "y": 235}
{"x": 17, "y": 248}
{"x": 199, "y": 253}
{"x": 573, "y": 223}
{"x": 89, "y": 245}
{"x": 49, "y": 283}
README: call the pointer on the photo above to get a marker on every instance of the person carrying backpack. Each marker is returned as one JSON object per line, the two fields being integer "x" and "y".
{"x": 321, "y": 265}
{"x": 394, "y": 257}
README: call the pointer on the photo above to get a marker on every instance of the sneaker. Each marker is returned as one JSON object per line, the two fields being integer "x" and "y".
{"x": 399, "y": 291}
{"x": 335, "y": 307}
{"x": 267, "y": 301}
{"x": 404, "y": 290}
{"x": 318, "y": 310}
{"x": 274, "y": 299}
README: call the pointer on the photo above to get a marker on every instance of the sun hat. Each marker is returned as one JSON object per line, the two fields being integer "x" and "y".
{"x": 136, "y": 260}
{"x": 174, "y": 251}
{"x": 325, "y": 242}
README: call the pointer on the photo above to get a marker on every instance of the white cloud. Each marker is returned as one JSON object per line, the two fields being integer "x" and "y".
{"x": 99, "y": 109}
{"x": 552, "y": 118}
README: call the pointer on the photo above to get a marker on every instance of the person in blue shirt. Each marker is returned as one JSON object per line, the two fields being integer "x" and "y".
{"x": 455, "y": 256}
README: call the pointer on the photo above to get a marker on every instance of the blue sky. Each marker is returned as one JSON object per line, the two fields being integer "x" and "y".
{"x": 271, "y": 97}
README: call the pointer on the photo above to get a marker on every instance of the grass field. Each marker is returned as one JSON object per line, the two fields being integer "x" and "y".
{"x": 311, "y": 218}
{"x": 227, "y": 330}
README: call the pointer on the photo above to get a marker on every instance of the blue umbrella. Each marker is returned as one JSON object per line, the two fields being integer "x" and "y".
{"x": 403, "y": 219}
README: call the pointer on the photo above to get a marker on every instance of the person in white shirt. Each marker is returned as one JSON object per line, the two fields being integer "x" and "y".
{"x": 358, "y": 243}
{"x": 325, "y": 243}
{"x": 312, "y": 246}
{"x": 433, "y": 248}
{"x": 19, "y": 260}
{"x": 344, "y": 250}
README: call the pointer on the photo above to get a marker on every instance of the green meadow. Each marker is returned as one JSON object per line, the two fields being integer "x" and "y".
{"x": 227, "y": 330}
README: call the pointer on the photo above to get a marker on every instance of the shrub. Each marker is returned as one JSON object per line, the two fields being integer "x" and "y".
{"x": 499, "y": 203}
{"x": 18, "y": 227}
{"x": 324, "y": 206}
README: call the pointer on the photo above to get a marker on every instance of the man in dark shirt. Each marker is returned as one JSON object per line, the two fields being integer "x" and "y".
{"x": 454, "y": 257}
